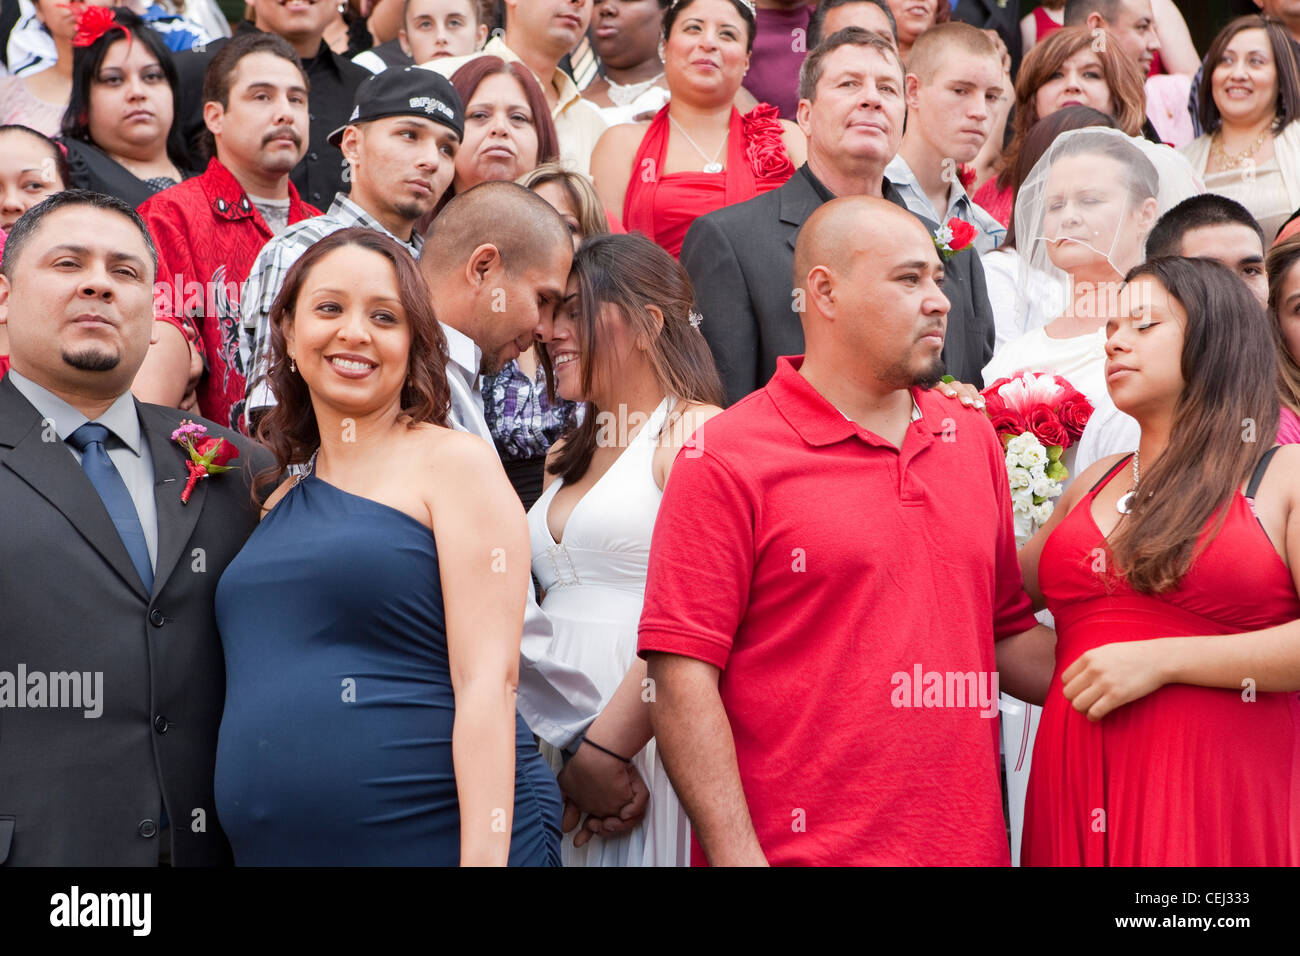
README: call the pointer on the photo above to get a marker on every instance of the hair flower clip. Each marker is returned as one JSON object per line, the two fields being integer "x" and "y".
{"x": 92, "y": 22}
{"x": 695, "y": 319}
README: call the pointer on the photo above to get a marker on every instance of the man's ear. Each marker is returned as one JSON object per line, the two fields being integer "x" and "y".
{"x": 5, "y": 288}
{"x": 820, "y": 288}
{"x": 802, "y": 114}
{"x": 912, "y": 88}
{"x": 484, "y": 267}
{"x": 213, "y": 117}
{"x": 482, "y": 35}
{"x": 1095, "y": 21}
{"x": 350, "y": 147}
{"x": 403, "y": 42}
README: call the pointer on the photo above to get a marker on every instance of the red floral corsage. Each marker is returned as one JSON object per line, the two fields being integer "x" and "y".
{"x": 967, "y": 175}
{"x": 208, "y": 456}
{"x": 764, "y": 148}
{"x": 92, "y": 22}
{"x": 953, "y": 237}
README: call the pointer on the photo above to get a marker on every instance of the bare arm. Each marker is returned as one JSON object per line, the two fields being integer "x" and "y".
{"x": 1176, "y": 47}
{"x": 611, "y": 164}
{"x": 477, "y": 519}
{"x": 164, "y": 377}
{"x": 1025, "y": 663}
{"x": 697, "y": 748}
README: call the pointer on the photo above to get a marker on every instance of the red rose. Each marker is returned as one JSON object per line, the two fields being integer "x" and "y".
{"x": 1007, "y": 423}
{"x": 1047, "y": 428}
{"x": 765, "y": 148}
{"x": 963, "y": 234}
{"x": 1074, "y": 414}
{"x": 225, "y": 454}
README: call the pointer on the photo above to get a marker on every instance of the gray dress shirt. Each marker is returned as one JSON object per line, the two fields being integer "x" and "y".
{"x": 126, "y": 447}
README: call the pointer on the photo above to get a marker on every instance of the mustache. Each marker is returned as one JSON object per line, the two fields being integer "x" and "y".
{"x": 280, "y": 131}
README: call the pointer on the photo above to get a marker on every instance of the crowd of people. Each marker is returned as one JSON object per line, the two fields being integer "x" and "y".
{"x": 439, "y": 431}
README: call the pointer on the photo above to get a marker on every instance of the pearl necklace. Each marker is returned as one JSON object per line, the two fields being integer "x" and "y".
{"x": 624, "y": 94}
{"x": 710, "y": 165}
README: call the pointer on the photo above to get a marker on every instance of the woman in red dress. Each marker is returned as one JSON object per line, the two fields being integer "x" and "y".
{"x": 699, "y": 153}
{"x": 1170, "y": 734}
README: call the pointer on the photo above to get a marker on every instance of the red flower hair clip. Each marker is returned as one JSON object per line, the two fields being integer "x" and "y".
{"x": 92, "y": 22}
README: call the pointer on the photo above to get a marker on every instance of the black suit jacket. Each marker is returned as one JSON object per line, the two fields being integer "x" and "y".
{"x": 79, "y": 790}
{"x": 741, "y": 262}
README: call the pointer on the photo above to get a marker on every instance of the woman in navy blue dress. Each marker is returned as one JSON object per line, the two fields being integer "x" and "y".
{"x": 371, "y": 624}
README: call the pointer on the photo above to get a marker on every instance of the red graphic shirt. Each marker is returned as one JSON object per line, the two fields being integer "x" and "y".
{"x": 208, "y": 233}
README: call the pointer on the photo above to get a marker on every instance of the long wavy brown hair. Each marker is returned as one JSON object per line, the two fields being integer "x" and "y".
{"x": 289, "y": 429}
{"x": 1128, "y": 100}
{"x": 1223, "y": 423}
{"x": 631, "y": 272}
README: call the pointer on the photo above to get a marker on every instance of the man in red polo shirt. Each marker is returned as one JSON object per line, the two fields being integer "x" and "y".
{"x": 832, "y": 565}
{"x": 209, "y": 229}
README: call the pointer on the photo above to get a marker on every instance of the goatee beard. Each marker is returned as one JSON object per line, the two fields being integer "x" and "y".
{"x": 92, "y": 360}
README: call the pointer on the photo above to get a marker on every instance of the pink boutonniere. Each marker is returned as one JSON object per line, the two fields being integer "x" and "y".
{"x": 208, "y": 456}
{"x": 953, "y": 237}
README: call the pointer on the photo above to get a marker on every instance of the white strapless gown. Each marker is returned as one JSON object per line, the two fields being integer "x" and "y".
{"x": 595, "y": 585}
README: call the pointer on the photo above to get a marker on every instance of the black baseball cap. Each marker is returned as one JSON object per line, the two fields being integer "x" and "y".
{"x": 406, "y": 91}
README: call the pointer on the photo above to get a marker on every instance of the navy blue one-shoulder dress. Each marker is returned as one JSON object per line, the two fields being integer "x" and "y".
{"x": 335, "y": 743}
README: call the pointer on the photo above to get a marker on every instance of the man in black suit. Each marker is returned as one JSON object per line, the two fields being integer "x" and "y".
{"x": 1001, "y": 16}
{"x": 741, "y": 258}
{"x": 111, "y": 673}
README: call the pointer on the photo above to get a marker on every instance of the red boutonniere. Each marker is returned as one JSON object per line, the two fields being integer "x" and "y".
{"x": 208, "y": 456}
{"x": 765, "y": 149}
{"x": 92, "y": 22}
{"x": 953, "y": 237}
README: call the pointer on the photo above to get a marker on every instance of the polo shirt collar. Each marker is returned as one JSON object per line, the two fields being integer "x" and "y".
{"x": 121, "y": 418}
{"x": 820, "y": 423}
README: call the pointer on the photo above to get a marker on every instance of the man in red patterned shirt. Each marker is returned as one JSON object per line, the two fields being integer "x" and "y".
{"x": 209, "y": 229}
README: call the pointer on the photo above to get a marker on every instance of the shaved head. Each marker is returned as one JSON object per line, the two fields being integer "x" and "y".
{"x": 841, "y": 230}
{"x": 870, "y": 280}
{"x": 524, "y": 228}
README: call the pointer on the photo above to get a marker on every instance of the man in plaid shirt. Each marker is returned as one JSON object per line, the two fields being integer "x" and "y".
{"x": 400, "y": 144}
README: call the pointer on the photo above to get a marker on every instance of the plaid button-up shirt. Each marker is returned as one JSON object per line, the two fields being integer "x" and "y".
{"x": 267, "y": 276}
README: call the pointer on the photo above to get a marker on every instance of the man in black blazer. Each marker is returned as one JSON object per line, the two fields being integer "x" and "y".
{"x": 111, "y": 673}
{"x": 1002, "y": 16}
{"x": 741, "y": 258}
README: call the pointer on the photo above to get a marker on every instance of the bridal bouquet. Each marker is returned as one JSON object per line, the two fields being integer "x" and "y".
{"x": 1037, "y": 416}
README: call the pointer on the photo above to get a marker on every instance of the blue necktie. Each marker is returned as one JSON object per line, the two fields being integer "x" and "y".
{"x": 103, "y": 474}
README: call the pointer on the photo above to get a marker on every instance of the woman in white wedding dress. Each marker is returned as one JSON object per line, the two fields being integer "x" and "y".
{"x": 627, "y": 344}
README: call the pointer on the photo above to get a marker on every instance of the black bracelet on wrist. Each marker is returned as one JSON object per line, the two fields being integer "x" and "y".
{"x": 584, "y": 739}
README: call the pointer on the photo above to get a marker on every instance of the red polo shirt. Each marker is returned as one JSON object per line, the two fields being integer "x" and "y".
{"x": 825, "y": 571}
{"x": 208, "y": 232}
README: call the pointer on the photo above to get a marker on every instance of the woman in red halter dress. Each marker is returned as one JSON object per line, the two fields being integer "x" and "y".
{"x": 1170, "y": 733}
{"x": 699, "y": 153}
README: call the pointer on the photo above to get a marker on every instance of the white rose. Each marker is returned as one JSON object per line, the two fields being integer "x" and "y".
{"x": 1043, "y": 487}
{"x": 1040, "y": 513}
{"x": 1020, "y": 444}
{"x": 1024, "y": 528}
{"x": 1036, "y": 454}
{"x": 1019, "y": 478}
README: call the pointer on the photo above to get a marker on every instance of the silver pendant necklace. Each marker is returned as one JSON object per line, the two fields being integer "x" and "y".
{"x": 621, "y": 94}
{"x": 711, "y": 165}
{"x": 1125, "y": 503}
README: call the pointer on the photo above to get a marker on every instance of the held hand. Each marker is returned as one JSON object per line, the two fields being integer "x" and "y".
{"x": 1110, "y": 676}
{"x": 596, "y": 782}
{"x": 967, "y": 394}
{"x": 631, "y": 815}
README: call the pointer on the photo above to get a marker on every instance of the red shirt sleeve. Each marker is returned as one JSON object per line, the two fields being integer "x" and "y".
{"x": 173, "y": 269}
{"x": 701, "y": 561}
{"x": 1013, "y": 611}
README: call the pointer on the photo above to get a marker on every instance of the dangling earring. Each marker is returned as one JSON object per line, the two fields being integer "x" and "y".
{"x": 292, "y": 365}
{"x": 661, "y": 51}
